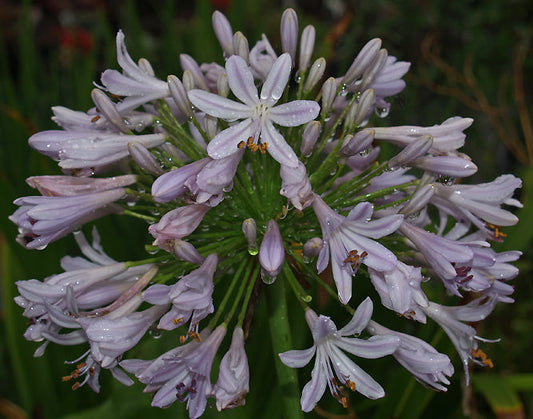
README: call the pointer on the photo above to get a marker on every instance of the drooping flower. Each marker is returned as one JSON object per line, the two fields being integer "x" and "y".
{"x": 329, "y": 358}
{"x": 463, "y": 336}
{"x": 428, "y": 366}
{"x": 190, "y": 296}
{"x": 271, "y": 251}
{"x": 258, "y": 112}
{"x": 232, "y": 384}
{"x": 347, "y": 238}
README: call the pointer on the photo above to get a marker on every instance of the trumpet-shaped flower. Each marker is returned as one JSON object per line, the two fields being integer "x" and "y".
{"x": 257, "y": 111}
{"x": 348, "y": 239}
{"x": 328, "y": 345}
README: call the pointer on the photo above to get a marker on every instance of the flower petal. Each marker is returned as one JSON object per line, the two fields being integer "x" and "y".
{"x": 360, "y": 318}
{"x": 276, "y": 80}
{"x": 277, "y": 146}
{"x": 226, "y": 142}
{"x": 241, "y": 80}
{"x": 219, "y": 106}
{"x": 292, "y": 114}
{"x": 298, "y": 358}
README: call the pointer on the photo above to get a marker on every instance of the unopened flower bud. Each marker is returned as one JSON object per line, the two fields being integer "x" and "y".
{"x": 240, "y": 45}
{"x": 271, "y": 253}
{"x": 312, "y": 247}
{"x": 211, "y": 126}
{"x": 108, "y": 109}
{"x": 222, "y": 85}
{"x": 362, "y": 61}
{"x": 188, "y": 80}
{"x": 289, "y": 33}
{"x": 329, "y": 92}
{"x": 371, "y": 72}
{"x": 353, "y": 144}
{"x": 309, "y": 137}
{"x": 223, "y": 32}
{"x": 418, "y": 200}
{"x": 144, "y": 158}
{"x": 446, "y": 165}
{"x": 249, "y": 228}
{"x": 315, "y": 74}
{"x": 307, "y": 44}
{"x": 179, "y": 94}
{"x": 186, "y": 251}
{"x": 412, "y": 151}
{"x": 358, "y": 112}
{"x": 145, "y": 66}
{"x": 189, "y": 64}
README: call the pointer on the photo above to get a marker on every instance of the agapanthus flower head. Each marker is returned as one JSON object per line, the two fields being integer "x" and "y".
{"x": 260, "y": 175}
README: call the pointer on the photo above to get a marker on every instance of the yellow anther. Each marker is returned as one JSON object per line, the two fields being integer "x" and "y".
{"x": 478, "y": 353}
{"x": 95, "y": 118}
{"x": 76, "y": 385}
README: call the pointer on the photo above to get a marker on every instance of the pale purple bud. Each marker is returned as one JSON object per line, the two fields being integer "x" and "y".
{"x": 295, "y": 185}
{"x": 174, "y": 152}
{"x": 446, "y": 165}
{"x": 271, "y": 252}
{"x": 179, "y": 94}
{"x": 189, "y": 64}
{"x": 211, "y": 126}
{"x": 364, "y": 59}
{"x": 145, "y": 159}
{"x": 240, "y": 45}
{"x": 358, "y": 112}
{"x": 315, "y": 74}
{"x": 108, "y": 109}
{"x": 177, "y": 224}
{"x": 309, "y": 137}
{"x": 232, "y": 384}
{"x": 70, "y": 185}
{"x": 412, "y": 151}
{"x": 373, "y": 70}
{"x": 353, "y": 144}
{"x": 329, "y": 92}
{"x": 289, "y": 33}
{"x": 307, "y": 44}
{"x": 249, "y": 228}
{"x": 171, "y": 185}
{"x": 188, "y": 80}
{"x": 186, "y": 251}
{"x": 223, "y": 85}
{"x": 312, "y": 247}
{"x": 419, "y": 200}
{"x": 145, "y": 66}
{"x": 223, "y": 32}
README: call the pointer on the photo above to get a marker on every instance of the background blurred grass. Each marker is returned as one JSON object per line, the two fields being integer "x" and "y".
{"x": 469, "y": 58}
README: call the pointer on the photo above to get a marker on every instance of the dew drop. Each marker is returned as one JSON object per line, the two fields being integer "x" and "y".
{"x": 364, "y": 153}
{"x": 344, "y": 90}
{"x": 41, "y": 247}
{"x": 130, "y": 203}
{"x": 155, "y": 333}
{"x": 267, "y": 279}
{"x": 382, "y": 112}
{"x": 297, "y": 77}
{"x": 253, "y": 250}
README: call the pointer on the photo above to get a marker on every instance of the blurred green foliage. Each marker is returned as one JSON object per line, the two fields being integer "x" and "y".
{"x": 469, "y": 58}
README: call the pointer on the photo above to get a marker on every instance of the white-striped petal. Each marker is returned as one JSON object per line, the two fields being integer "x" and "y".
{"x": 241, "y": 80}
{"x": 218, "y": 106}
{"x": 277, "y": 146}
{"x": 292, "y": 114}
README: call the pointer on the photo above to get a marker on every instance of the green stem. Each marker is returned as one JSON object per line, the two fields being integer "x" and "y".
{"x": 281, "y": 342}
{"x": 247, "y": 296}
{"x": 141, "y": 216}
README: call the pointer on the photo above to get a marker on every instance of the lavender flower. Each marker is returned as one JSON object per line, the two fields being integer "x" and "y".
{"x": 44, "y": 219}
{"x": 428, "y": 366}
{"x": 328, "y": 342}
{"x": 190, "y": 296}
{"x": 258, "y": 112}
{"x": 271, "y": 252}
{"x": 347, "y": 237}
{"x": 232, "y": 384}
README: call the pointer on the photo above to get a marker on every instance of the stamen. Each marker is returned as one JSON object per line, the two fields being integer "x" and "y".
{"x": 350, "y": 384}
{"x": 498, "y": 234}
{"x": 478, "y": 353}
{"x": 66, "y": 378}
{"x": 95, "y": 118}
{"x": 241, "y": 145}
{"x": 76, "y": 385}
{"x": 177, "y": 321}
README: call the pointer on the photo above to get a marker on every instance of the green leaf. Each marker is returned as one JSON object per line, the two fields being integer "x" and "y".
{"x": 501, "y": 396}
